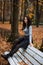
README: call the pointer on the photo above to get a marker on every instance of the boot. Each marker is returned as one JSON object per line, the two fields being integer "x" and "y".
{"x": 5, "y": 56}
{"x": 25, "y": 47}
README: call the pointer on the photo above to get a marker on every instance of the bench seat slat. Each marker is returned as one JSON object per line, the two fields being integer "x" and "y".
{"x": 19, "y": 59}
{"x": 36, "y": 51}
{"x": 15, "y": 60}
{"x": 34, "y": 62}
{"x": 35, "y": 56}
{"x": 11, "y": 62}
{"x": 24, "y": 59}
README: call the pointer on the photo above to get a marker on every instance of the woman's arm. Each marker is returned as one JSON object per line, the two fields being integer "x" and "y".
{"x": 30, "y": 34}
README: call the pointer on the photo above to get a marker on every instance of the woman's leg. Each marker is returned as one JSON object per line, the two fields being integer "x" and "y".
{"x": 23, "y": 44}
{"x": 16, "y": 42}
{"x": 19, "y": 39}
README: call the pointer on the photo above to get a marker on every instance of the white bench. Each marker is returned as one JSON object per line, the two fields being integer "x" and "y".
{"x": 31, "y": 56}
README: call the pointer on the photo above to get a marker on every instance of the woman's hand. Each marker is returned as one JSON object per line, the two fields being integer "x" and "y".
{"x": 31, "y": 44}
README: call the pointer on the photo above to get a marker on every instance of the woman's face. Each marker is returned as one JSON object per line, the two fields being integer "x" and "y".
{"x": 25, "y": 20}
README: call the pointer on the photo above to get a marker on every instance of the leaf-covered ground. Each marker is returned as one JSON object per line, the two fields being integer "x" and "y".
{"x": 4, "y": 46}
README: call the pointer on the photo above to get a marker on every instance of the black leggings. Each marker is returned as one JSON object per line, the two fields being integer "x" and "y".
{"x": 23, "y": 42}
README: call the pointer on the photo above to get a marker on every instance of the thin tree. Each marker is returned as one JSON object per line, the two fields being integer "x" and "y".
{"x": 3, "y": 5}
{"x": 37, "y": 13}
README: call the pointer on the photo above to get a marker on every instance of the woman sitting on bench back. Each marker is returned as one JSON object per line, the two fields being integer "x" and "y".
{"x": 24, "y": 40}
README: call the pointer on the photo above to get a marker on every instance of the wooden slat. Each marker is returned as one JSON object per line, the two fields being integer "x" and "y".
{"x": 24, "y": 59}
{"x": 35, "y": 56}
{"x": 36, "y": 51}
{"x": 21, "y": 62}
{"x": 34, "y": 62}
{"x": 17, "y": 57}
{"x": 15, "y": 60}
{"x": 11, "y": 62}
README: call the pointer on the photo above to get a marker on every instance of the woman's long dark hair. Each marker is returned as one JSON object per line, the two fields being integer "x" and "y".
{"x": 28, "y": 22}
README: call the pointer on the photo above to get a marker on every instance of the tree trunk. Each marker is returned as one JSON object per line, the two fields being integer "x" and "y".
{"x": 37, "y": 13}
{"x": 3, "y": 11}
{"x": 25, "y": 7}
{"x": 14, "y": 20}
{"x": 22, "y": 10}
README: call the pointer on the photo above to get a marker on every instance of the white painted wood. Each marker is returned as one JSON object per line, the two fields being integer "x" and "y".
{"x": 11, "y": 61}
{"x": 24, "y": 59}
{"x": 36, "y": 51}
{"x": 15, "y": 60}
{"x": 19, "y": 59}
{"x": 35, "y": 56}
{"x": 34, "y": 62}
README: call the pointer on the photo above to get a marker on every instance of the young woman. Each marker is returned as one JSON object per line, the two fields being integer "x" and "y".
{"x": 24, "y": 40}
